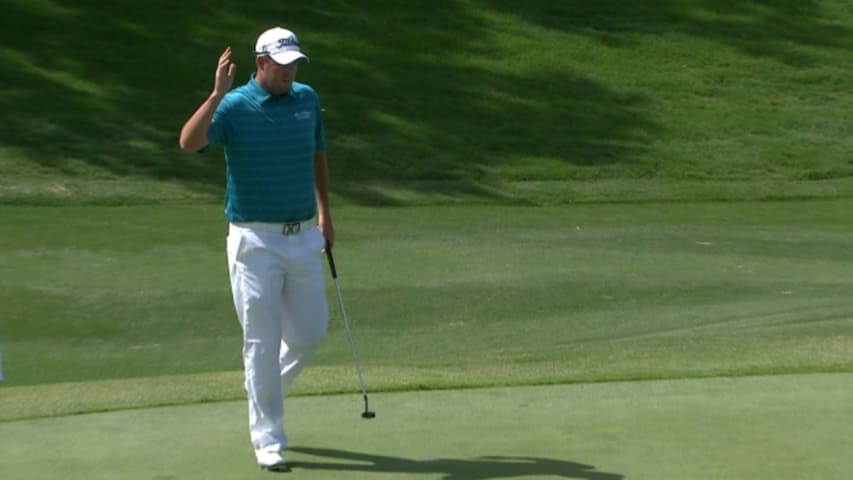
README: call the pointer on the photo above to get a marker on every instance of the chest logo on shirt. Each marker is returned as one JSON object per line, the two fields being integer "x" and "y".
{"x": 304, "y": 115}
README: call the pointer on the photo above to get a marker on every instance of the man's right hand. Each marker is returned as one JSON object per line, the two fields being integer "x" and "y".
{"x": 194, "y": 132}
{"x": 224, "y": 74}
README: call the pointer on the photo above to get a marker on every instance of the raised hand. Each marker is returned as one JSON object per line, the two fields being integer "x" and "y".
{"x": 224, "y": 74}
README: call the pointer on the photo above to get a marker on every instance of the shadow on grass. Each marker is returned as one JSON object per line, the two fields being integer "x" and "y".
{"x": 775, "y": 29}
{"x": 483, "y": 468}
{"x": 409, "y": 96}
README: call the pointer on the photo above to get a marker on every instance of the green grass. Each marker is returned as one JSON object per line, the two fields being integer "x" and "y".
{"x": 482, "y": 98}
{"x": 785, "y": 427}
{"x": 439, "y": 297}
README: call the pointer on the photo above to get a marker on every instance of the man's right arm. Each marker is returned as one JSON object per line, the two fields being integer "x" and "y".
{"x": 194, "y": 132}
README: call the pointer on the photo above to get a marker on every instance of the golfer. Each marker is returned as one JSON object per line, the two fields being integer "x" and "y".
{"x": 276, "y": 203}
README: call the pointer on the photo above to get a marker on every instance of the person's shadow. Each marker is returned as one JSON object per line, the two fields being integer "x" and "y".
{"x": 481, "y": 468}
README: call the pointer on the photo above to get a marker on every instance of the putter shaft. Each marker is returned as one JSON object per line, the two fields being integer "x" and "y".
{"x": 367, "y": 413}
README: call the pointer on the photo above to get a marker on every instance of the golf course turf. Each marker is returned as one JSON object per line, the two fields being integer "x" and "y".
{"x": 443, "y": 297}
{"x": 569, "y": 296}
{"x": 761, "y": 428}
{"x": 599, "y": 240}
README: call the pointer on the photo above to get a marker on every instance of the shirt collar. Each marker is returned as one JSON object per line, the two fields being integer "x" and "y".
{"x": 257, "y": 93}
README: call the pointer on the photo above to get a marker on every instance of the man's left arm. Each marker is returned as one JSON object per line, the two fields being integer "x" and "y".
{"x": 321, "y": 191}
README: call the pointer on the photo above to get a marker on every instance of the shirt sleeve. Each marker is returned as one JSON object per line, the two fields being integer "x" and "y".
{"x": 319, "y": 131}
{"x": 217, "y": 133}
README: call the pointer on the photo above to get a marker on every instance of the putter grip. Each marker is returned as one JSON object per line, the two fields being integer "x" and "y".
{"x": 331, "y": 261}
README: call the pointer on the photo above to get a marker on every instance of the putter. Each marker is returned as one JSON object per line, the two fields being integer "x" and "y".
{"x": 366, "y": 413}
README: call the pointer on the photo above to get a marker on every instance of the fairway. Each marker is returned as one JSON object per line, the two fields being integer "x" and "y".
{"x": 758, "y": 428}
{"x": 442, "y": 297}
{"x": 568, "y": 294}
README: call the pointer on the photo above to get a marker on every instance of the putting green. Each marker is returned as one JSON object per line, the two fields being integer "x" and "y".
{"x": 791, "y": 427}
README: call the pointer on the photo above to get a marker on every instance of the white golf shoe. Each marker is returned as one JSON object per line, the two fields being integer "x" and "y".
{"x": 271, "y": 460}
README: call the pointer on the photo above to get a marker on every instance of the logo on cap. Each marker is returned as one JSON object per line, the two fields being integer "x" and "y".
{"x": 281, "y": 45}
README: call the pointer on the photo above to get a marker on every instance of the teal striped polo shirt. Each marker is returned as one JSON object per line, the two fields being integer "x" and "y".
{"x": 270, "y": 144}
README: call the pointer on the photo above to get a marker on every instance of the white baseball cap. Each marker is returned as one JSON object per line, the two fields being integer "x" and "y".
{"x": 281, "y": 45}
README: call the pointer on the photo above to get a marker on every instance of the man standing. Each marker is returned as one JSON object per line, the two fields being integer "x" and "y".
{"x": 276, "y": 182}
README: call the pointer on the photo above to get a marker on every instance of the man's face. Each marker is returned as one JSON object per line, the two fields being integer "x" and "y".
{"x": 275, "y": 78}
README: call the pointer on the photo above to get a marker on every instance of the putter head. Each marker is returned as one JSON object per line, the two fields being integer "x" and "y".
{"x": 368, "y": 414}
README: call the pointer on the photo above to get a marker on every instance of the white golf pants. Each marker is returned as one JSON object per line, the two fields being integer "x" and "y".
{"x": 278, "y": 285}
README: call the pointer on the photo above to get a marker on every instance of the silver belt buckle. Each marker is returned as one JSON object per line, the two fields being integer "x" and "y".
{"x": 291, "y": 228}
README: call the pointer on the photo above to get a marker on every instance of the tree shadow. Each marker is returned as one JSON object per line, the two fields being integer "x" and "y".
{"x": 482, "y": 468}
{"x": 428, "y": 97}
{"x": 118, "y": 112}
{"x": 776, "y": 29}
